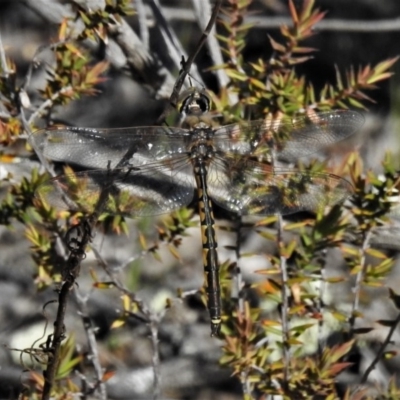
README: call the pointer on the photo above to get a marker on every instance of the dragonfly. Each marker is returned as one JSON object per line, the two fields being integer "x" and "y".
{"x": 244, "y": 168}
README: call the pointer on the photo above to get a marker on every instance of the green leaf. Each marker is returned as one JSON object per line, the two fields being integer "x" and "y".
{"x": 376, "y": 253}
{"x": 302, "y": 328}
{"x": 339, "y": 316}
{"x": 389, "y": 354}
{"x": 236, "y": 75}
{"x": 335, "y": 279}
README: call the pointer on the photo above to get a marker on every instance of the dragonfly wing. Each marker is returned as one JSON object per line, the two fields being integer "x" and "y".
{"x": 289, "y": 138}
{"x": 251, "y": 188}
{"x": 109, "y": 148}
{"x": 154, "y": 189}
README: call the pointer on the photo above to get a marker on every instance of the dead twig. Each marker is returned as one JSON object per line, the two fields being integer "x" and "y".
{"x": 173, "y": 100}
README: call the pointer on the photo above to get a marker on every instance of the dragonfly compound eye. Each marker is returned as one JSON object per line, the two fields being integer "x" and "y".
{"x": 194, "y": 101}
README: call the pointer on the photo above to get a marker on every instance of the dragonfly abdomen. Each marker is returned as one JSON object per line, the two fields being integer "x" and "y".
{"x": 210, "y": 256}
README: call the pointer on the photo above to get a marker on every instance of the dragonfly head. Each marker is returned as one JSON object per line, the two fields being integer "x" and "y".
{"x": 194, "y": 102}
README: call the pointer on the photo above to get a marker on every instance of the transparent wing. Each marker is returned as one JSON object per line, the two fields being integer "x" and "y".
{"x": 251, "y": 188}
{"x": 110, "y": 148}
{"x": 290, "y": 139}
{"x": 155, "y": 189}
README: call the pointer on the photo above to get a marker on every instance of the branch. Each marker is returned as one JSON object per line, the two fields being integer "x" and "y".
{"x": 285, "y": 304}
{"x": 143, "y": 65}
{"x": 125, "y": 51}
{"x": 174, "y": 47}
{"x": 382, "y": 348}
{"x": 173, "y": 100}
{"x": 151, "y": 318}
{"x": 202, "y": 10}
{"x": 338, "y": 25}
{"x": 94, "y": 356}
{"x": 70, "y": 274}
{"x": 359, "y": 281}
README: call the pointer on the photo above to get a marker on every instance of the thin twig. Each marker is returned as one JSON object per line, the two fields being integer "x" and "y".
{"x": 70, "y": 274}
{"x": 154, "y": 324}
{"x": 48, "y": 103}
{"x": 5, "y": 73}
{"x": 382, "y": 348}
{"x": 3, "y": 61}
{"x": 174, "y": 47}
{"x": 238, "y": 278}
{"x": 359, "y": 281}
{"x": 237, "y": 281}
{"x": 202, "y": 9}
{"x": 319, "y": 302}
{"x": 93, "y": 347}
{"x": 337, "y": 25}
{"x": 151, "y": 318}
{"x": 32, "y": 143}
{"x": 144, "y": 30}
{"x": 374, "y": 26}
{"x": 285, "y": 303}
{"x": 173, "y": 100}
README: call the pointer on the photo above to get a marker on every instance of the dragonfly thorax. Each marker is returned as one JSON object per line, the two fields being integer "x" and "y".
{"x": 202, "y": 151}
{"x": 197, "y": 122}
{"x": 201, "y": 142}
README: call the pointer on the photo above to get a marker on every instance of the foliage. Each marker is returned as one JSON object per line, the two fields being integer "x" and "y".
{"x": 263, "y": 344}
